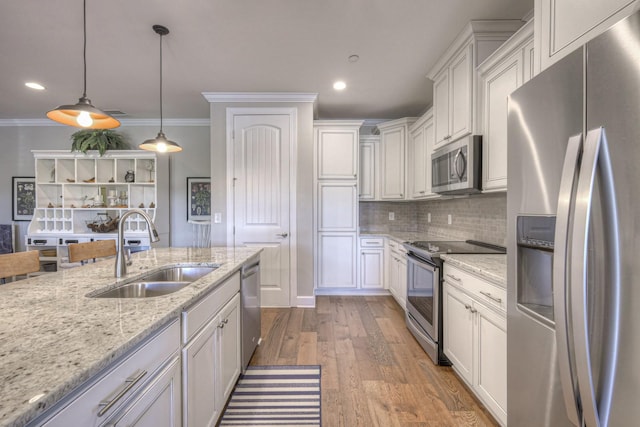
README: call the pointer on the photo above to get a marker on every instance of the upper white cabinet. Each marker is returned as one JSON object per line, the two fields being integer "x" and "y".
{"x": 421, "y": 139}
{"x": 455, "y": 79}
{"x": 393, "y": 143}
{"x": 369, "y": 167}
{"x": 337, "y": 152}
{"x": 563, "y": 26}
{"x": 500, "y": 74}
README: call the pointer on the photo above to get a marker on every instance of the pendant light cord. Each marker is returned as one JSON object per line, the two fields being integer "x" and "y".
{"x": 161, "y": 82}
{"x": 84, "y": 47}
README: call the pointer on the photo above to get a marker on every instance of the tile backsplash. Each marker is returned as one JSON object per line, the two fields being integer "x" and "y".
{"x": 481, "y": 217}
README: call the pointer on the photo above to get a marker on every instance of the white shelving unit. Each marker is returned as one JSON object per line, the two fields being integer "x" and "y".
{"x": 74, "y": 189}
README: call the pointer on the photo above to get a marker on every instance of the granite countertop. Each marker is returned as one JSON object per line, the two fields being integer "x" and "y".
{"x": 399, "y": 236}
{"x": 53, "y": 338}
{"x": 491, "y": 267}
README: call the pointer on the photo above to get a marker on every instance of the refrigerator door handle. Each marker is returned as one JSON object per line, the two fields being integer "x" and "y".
{"x": 566, "y": 202}
{"x": 594, "y": 159}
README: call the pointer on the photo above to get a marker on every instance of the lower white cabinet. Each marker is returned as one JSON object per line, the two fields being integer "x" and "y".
{"x": 211, "y": 362}
{"x": 398, "y": 273}
{"x": 371, "y": 263}
{"x": 336, "y": 260}
{"x": 475, "y": 336}
{"x": 159, "y": 404}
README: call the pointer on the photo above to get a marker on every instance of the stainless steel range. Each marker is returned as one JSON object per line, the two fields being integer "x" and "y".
{"x": 424, "y": 289}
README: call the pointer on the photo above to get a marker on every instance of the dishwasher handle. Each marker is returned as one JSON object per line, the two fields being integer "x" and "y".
{"x": 250, "y": 270}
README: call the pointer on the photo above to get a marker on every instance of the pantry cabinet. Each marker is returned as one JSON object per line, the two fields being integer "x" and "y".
{"x": 455, "y": 78}
{"x": 505, "y": 70}
{"x": 336, "y": 155}
{"x": 475, "y": 336}
{"x": 563, "y": 26}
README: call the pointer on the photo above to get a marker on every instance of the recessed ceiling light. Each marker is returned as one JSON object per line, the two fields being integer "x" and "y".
{"x": 354, "y": 58}
{"x": 34, "y": 85}
{"x": 339, "y": 85}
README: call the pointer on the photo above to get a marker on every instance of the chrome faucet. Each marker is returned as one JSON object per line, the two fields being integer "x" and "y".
{"x": 121, "y": 263}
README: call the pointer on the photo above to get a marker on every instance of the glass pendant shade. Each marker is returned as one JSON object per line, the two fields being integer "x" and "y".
{"x": 83, "y": 114}
{"x": 160, "y": 145}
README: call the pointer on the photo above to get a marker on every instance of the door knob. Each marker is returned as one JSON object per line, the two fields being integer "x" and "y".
{"x": 283, "y": 235}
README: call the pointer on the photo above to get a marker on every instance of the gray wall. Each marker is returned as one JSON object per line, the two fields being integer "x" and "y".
{"x": 17, "y": 160}
{"x": 304, "y": 193}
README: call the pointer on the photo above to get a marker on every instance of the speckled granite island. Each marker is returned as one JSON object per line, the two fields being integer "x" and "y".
{"x": 53, "y": 337}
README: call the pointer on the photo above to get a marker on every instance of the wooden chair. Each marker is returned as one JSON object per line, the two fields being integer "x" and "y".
{"x": 91, "y": 250}
{"x": 19, "y": 263}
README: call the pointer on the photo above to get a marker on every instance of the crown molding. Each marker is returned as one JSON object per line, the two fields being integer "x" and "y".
{"x": 124, "y": 122}
{"x": 217, "y": 97}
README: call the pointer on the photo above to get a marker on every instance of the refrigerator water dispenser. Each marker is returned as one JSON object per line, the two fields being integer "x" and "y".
{"x": 535, "y": 242}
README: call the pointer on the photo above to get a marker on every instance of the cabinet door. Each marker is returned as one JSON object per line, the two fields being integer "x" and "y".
{"x": 367, "y": 174}
{"x": 491, "y": 370}
{"x": 458, "y": 331}
{"x": 371, "y": 268}
{"x": 529, "y": 62}
{"x": 337, "y": 260}
{"x": 159, "y": 404}
{"x": 337, "y": 154}
{"x": 461, "y": 85}
{"x": 392, "y": 161}
{"x": 200, "y": 391}
{"x": 417, "y": 163}
{"x": 497, "y": 86}
{"x": 337, "y": 206}
{"x": 441, "y": 108}
{"x": 229, "y": 346}
{"x": 402, "y": 281}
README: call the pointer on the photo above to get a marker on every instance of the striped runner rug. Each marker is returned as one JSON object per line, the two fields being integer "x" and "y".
{"x": 271, "y": 396}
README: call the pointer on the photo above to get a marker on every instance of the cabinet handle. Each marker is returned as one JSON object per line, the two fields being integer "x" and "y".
{"x": 422, "y": 192}
{"x": 488, "y": 295}
{"x": 130, "y": 382}
{"x": 452, "y": 277}
{"x": 221, "y": 325}
{"x": 283, "y": 235}
{"x": 473, "y": 310}
{"x": 467, "y": 306}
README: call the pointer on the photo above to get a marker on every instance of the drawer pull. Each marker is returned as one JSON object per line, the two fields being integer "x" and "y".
{"x": 473, "y": 310}
{"x": 467, "y": 306}
{"x": 488, "y": 295}
{"x": 452, "y": 277}
{"x": 130, "y": 382}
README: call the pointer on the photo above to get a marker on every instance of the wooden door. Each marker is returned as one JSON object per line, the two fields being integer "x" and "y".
{"x": 261, "y": 198}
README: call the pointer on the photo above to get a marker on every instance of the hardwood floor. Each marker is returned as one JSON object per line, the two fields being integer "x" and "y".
{"x": 374, "y": 373}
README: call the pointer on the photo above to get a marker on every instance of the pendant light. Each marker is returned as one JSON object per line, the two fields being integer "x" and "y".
{"x": 160, "y": 143}
{"x": 83, "y": 114}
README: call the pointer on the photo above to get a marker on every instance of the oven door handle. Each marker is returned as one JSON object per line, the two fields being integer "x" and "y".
{"x": 430, "y": 266}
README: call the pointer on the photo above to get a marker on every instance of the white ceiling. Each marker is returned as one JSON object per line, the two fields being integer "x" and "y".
{"x": 231, "y": 46}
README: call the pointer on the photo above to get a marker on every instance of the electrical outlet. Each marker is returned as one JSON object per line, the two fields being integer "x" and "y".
{"x": 449, "y": 219}
{"x": 428, "y": 216}
{"x": 392, "y": 216}
{"x": 217, "y": 218}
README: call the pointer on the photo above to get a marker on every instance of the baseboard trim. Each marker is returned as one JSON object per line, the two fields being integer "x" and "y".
{"x": 306, "y": 302}
{"x": 353, "y": 292}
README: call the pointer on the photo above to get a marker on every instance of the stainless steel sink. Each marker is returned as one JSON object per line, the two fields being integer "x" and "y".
{"x": 157, "y": 283}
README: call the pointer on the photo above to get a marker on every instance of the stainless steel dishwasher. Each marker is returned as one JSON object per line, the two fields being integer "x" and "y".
{"x": 250, "y": 305}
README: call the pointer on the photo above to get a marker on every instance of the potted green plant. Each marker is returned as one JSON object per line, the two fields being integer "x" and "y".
{"x": 97, "y": 139}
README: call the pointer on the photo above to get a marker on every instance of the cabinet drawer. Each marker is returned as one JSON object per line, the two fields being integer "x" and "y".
{"x": 396, "y": 246}
{"x": 371, "y": 242}
{"x": 120, "y": 383}
{"x": 490, "y": 294}
{"x": 200, "y": 313}
{"x": 42, "y": 241}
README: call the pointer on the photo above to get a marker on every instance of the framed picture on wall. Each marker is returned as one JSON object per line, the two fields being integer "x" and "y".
{"x": 198, "y": 199}
{"x": 24, "y": 197}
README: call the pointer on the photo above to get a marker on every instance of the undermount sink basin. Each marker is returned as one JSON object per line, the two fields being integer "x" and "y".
{"x": 157, "y": 283}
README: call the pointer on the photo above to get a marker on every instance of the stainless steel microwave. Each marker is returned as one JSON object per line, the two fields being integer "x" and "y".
{"x": 457, "y": 167}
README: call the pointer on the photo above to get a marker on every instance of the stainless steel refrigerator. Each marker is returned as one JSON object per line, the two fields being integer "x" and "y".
{"x": 573, "y": 207}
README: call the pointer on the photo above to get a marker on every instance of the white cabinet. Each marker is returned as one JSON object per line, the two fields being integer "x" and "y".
{"x": 336, "y": 155}
{"x": 398, "y": 272}
{"x": 455, "y": 79}
{"x": 563, "y": 26}
{"x": 143, "y": 380}
{"x": 500, "y": 74}
{"x": 475, "y": 336}
{"x": 211, "y": 364}
{"x": 419, "y": 156}
{"x": 369, "y": 172}
{"x": 371, "y": 263}
{"x": 393, "y": 143}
